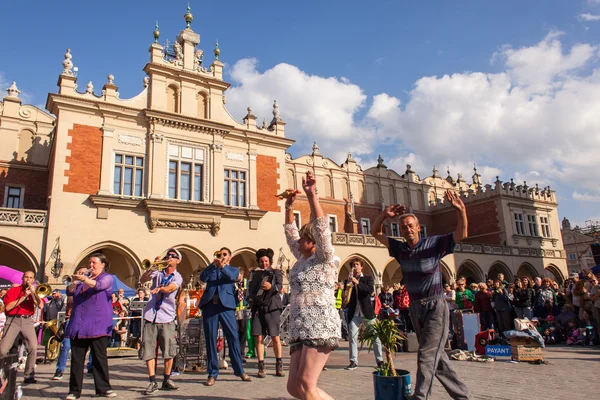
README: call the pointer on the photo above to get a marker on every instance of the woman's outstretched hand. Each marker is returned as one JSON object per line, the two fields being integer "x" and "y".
{"x": 309, "y": 184}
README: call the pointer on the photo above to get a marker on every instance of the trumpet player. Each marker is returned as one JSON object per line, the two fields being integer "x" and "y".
{"x": 159, "y": 319}
{"x": 20, "y": 303}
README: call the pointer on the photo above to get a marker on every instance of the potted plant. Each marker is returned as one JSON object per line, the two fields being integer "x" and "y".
{"x": 389, "y": 382}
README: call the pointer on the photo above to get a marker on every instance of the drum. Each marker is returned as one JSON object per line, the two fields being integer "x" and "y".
{"x": 192, "y": 298}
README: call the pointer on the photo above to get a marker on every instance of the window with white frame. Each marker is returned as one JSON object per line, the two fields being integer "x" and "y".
{"x": 186, "y": 173}
{"x": 423, "y": 233}
{"x": 532, "y": 225}
{"x": 332, "y": 223}
{"x": 234, "y": 193}
{"x": 365, "y": 226}
{"x": 545, "y": 226}
{"x": 128, "y": 175}
{"x": 13, "y": 196}
{"x": 519, "y": 224}
{"x": 395, "y": 230}
{"x": 297, "y": 219}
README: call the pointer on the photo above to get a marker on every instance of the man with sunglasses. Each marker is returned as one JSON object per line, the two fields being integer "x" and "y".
{"x": 159, "y": 319}
{"x": 218, "y": 306}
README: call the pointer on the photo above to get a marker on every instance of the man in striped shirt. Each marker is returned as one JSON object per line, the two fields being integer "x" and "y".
{"x": 421, "y": 270}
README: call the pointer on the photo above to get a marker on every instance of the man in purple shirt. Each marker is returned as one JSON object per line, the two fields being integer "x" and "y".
{"x": 159, "y": 319}
{"x": 420, "y": 263}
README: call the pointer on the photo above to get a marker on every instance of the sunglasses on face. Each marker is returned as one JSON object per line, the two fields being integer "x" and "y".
{"x": 218, "y": 254}
{"x": 172, "y": 256}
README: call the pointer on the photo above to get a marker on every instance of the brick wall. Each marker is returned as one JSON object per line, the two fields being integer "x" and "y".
{"x": 85, "y": 160}
{"x": 337, "y": 209}
{"x": 483, "y": 223}
{"x": 35, "y": 183}
{"x": 267, "y": 187}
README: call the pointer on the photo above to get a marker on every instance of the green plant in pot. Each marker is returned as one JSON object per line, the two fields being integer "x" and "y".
{"x": 389, "y": 382}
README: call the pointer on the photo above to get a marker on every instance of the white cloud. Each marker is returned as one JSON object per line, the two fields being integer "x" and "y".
{"x": 588, "y": 17}
{"x": 586, "y": 197}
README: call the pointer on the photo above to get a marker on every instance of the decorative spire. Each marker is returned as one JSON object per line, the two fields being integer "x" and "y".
{"x": 476, "y": 176}
{"x": 435, "y": 172}
{"x": 68, "y": 64}
{"x": 275, "y": 110}
{"x": 380, "y": 163}
{"x": 448, "y": 170}
{"x": 111, "y": 79}
{"x": 315, "y": 149}
{"x": 264, "y": 124}
{"x": 217, "y": 51}
{"x": 90, "y": 88}
{"x": 156, "y": 32}
{"x": 409, "y": 169}
{"x": 349, "y": 158}
{"x": 13, "y": 91}
{"x": 188, "y": 17}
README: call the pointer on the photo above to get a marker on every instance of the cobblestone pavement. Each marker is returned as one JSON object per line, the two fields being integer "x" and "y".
{"x": 568, "y": 370}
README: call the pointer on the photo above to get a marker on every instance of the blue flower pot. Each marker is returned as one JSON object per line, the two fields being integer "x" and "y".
{"x": 392, "y": 387}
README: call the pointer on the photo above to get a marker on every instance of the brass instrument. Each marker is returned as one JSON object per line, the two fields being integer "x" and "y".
{"x": 67, "y": 280}
{"x": 148, "y": 265}
{"x": 43, "y": 290}
{"x": 348, "y": 290}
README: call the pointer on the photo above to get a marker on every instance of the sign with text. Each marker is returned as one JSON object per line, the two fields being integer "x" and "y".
{"x": 498, "y": 351}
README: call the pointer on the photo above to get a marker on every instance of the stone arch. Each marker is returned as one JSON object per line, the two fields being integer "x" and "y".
{"x": 124, "y": 263}
{"x": 553, "y": 272}
{"x": 345, "y": 193}
{"x": 499, "y": 267}
{"x": 245, "y": 260}
{"x": 362, "y": 192}
{"x": 376, "y": 193}
{"x": 447, "y": 276}
{"x": 527, "y": 270}
{"x": 202, "y": 104}
{"x": 421, "y": 200}
{"x": 173, "y": 98}
{"x": 24, "y": 152}
{"x": 16, "y": 256}
{"x": 291, "y": 179}
{"x": 392, "y": 273}
{"x": 193, "y": 261}
{"x": 368, "y": 268}
{"x": 392, "y": 194}
{"x": 470, "y": 270}
{"x": 328, "y": 186}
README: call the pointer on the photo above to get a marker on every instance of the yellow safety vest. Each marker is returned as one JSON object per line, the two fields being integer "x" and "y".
{"x": 338, "y": 299}
{"x": 242, "y": 304}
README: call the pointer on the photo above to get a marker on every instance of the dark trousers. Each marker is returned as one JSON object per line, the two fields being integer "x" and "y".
{"x": 243, "y": 333}
{"x": 213, "y": 314}
{"x": 430, "y": 318}
{"x": 487, "y": 320}
{"x": 97, "y": 347}
{"x": 504, "y": 321}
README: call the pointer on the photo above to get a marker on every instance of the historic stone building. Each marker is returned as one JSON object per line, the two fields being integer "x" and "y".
{"x": 578, "y": 247}
{"x": 171, "y": 167}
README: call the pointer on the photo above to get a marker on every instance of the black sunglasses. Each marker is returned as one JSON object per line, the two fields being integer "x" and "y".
{"x": 172, "y": 256}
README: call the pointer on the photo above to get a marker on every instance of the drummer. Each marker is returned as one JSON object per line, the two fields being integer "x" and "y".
{"x": 159, "y": 318}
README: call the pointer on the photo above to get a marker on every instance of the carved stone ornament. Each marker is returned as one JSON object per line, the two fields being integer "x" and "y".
{"x": 233, "y": 156}
{"x": 90, "y": 88}
{"x": 213, "y": 227}
{"x": 68, "y": 64}
{"x": 25, "y": 112}
{"x": 111, "y": 79}
{"x": 146, "y": 81}
{"x": 157, "y": 137}
{"x": 12, "y": 91}
{"x": 217, "y": 147}
{"x": 131, "y": 140}
{"x": 275, "y": 110}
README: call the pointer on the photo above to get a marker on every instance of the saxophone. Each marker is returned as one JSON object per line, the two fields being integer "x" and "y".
{"x": 348, "y": 291}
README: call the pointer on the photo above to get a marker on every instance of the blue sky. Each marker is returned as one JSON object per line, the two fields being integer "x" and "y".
{"x": 509, "y": 85}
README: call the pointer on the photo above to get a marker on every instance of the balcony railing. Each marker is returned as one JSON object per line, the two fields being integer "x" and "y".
{"x": 22, "y": 217}
{"x": 354, "y": 239}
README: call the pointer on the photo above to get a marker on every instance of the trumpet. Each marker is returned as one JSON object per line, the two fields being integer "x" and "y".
{"x": 67, "y": 280}
{"x": 148, "y": 265}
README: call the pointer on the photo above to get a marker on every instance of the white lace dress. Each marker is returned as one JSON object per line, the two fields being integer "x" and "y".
{"x": 314, "y": 320}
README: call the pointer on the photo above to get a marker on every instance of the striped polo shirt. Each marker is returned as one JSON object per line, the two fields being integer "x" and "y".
{"x": 421, "y": 268}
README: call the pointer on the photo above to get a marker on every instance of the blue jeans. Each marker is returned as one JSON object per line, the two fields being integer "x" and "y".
{"x": 353, "y": 327}
{"x": 63, "y": 356}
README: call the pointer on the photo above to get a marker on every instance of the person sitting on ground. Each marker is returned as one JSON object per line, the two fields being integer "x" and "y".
{"x": 572, "y": 332}
{"x": 387, "y": 303}
{"x": 587, "y": 329}
{"x": 550, "y": 333}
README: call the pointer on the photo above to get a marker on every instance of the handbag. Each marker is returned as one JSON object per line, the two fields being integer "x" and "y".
{"x": 377, "y": 305}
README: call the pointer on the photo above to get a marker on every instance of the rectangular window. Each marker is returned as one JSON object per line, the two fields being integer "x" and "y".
{"x": 395, "y": 230}
{"x": 14, "y": 197}
{"x": 332, "y": 223}
{"x": 129, "y": 175}
{"x": 532, "y": 225}
{"x": 297, "y": 220}
{"x": 572, "y": 256}
{"x": 423, "y": 233}
{"x": 234, "y": 193}
{"x": 186, "y": 173}
{"x": 545, "y": 226}
{"x": 365, "y": 226}
{"x": 519, "y": 225}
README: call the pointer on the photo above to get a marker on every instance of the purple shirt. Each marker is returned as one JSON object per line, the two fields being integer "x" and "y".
{"x": 92, "y": 312}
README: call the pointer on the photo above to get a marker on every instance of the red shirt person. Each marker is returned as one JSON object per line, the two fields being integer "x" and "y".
{"x": 20, "y": 302}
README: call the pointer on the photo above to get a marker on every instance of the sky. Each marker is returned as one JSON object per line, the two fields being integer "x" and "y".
{"x": 511, "y": 86}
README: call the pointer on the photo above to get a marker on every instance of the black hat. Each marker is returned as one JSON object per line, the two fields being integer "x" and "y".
{"x": 265, "y": 253}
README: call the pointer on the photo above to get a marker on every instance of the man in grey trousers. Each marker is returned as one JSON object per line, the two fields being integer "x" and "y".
{"x": 420, "y": 263}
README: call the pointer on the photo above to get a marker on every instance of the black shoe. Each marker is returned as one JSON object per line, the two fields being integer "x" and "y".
{"x": 352, "y": 366}
{"x": 31, "y": 379}
{"x": 57, "y": 376}
{"x": 152, "y": 387}
{"x": 169, "y": 385}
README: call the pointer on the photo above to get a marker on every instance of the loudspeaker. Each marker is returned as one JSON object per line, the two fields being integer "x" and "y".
{"x": 596, "y": 252}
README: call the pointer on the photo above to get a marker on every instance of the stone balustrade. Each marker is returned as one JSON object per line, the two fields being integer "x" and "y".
{"x": 22, "y": 217}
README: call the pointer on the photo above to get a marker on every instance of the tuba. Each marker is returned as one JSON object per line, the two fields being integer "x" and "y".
{"x": 43, "y": 290}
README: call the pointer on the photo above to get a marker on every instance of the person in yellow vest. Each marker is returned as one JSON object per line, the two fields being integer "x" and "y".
{"x": 241, "y": 314}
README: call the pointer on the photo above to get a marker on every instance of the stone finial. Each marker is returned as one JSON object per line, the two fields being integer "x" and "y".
{"x": 249, "y": 109}
{"x": 156, "y": 33}
{"x": 90, "y": 88}
{"x": 448, "y": 170}
{"x": 275, "y": 110}
{"x": 188, "y": 17}
{"x": 264, "y": 124}
{"x": 459, "y": 178}
{"x": 68, "y": 64}
{"x": 566, "y": 224}
{"x": 315, "y": 149}
{"x": 146, "y": 81}
{"x": 111, "y": 79}
{"x": 380, "y": 163}
{"x": 217, "y": 51}
{"x": 13, "y": 91}
{"x": 349, "y": 158}
{"x": 435, "y": 172}
{"x": 409, "y": 169}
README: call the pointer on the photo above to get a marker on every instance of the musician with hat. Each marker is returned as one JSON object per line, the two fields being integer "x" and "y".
{"x": 266, "y": 310}
{"x": 159, "y": 319}
{"x": 20, "y": 303}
